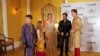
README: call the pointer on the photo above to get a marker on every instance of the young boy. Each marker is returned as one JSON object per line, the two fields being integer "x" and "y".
{"x": 29, "y": 36}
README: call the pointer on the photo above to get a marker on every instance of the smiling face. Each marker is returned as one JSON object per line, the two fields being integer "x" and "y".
{"x": 28, "y": 20}
{"x": 49, "y": 16}
{"x": 64, "y": 17}
{"x": 74, "y": 14}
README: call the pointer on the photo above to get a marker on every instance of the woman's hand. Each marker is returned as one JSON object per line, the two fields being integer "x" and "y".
{"x": 72, "y": 31}
{"x": 46, "y": 38}
{"x": 62, "y": 33}
{"x": 39, "y": 39}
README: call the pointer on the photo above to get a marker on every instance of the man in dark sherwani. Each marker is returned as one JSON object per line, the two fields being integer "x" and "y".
{"x": 29, "y": 36}
{"x": 64, "y": 31}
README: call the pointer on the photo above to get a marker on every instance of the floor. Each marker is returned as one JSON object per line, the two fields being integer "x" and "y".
{"x": 19, "y": 52}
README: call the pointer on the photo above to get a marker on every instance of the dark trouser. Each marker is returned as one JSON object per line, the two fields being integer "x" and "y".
{"x": 58, "y": 40}
{"x": 29, "y": 51}
{"x": 64, "y": 41}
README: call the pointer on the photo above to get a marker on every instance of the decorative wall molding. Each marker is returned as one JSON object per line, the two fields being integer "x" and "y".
{"x": 4, "y": 16}
{"x": 28, "y": 6}
{"x": 49, "y": 8}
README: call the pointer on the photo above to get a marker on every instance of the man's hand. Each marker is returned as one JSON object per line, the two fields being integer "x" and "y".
{"x": 66, "y": 34}
{"x": 62, "y": 33}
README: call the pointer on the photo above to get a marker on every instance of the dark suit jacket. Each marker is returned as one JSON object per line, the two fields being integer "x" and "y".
{"x": 65, "y": 27}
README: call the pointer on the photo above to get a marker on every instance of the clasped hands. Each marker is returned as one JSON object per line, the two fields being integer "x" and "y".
{"x": 62, "y": 34}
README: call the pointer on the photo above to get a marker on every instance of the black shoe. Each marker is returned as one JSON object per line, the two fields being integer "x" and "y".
{"x": 66, "y": 54}
{"x": 60, "y": 55}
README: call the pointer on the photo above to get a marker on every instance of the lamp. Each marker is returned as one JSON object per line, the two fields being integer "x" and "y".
{"x": 15, "y": 11}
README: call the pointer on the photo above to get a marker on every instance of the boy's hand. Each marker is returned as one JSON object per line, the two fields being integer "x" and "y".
{"x": 24, "y": 46}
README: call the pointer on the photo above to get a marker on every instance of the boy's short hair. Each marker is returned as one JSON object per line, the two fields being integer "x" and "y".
{"x": 29, "y": 16}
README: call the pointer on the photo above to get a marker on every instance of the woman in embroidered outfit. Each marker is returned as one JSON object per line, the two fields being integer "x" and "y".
{"x": 50, "y": 36}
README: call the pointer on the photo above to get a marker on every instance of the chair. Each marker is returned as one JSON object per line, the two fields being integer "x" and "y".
{"x": 1, "y": 50}
{"x": 6, "y": 42}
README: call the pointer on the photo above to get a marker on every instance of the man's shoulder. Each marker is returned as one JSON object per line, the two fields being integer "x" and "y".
{"x": 61, "y": 20}
{"x": 79, "y": 19}
{"x": 68, "y": 20}
{"x": 24, "y": 25}
{"x": 33, "y": 26}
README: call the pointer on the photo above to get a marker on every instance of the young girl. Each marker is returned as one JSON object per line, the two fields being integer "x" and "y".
{"x": 40, "y": 50}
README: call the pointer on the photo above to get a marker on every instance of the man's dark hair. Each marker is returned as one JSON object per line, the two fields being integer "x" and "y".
{"x": 74, "y": 10}
{"x": 29, "y": 16}
{"x": 65, "y": 14}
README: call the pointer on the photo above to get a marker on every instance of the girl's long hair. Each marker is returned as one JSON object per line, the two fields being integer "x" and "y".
{"x": 39, "y": 25}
